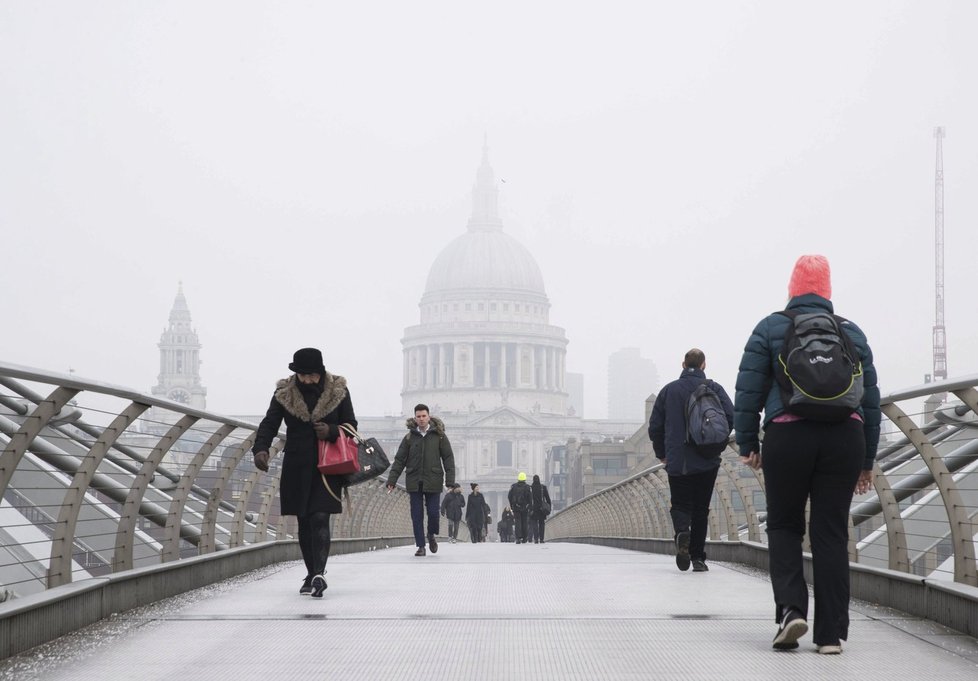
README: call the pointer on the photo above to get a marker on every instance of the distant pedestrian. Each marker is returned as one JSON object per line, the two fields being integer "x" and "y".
{"x": 427, "y": 455}
{"x": 692, "y": 468}
{"x": 313, "y": 403}
{"x": 506, "y": 525}
{"x": 520, "y": 500}
{"x": 451, "y": 507}
{"x": 540, "y": 508}
{"x": 475, "y": 514}
{"x": 820, "y": 449}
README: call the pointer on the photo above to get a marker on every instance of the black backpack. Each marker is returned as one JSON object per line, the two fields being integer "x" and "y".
{"x": 819, "y": 372}
{"x": 523, "y": 498}
{"x": 707, "y": 428}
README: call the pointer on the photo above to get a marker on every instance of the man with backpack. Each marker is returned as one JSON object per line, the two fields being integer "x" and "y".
{"x": 811, "y": 372}
{"x": 690, "y": 425}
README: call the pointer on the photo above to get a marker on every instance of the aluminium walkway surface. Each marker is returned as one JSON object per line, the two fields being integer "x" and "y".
{"x": 489, "y": 611}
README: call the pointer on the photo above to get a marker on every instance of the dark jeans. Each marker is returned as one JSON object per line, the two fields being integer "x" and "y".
{"x": 314, "y": 541}
{"x": 805, "y": 460}
{"x": 690, "y": 507}
{"x": 421, "y": 501}
{"x": 521, "y": 522}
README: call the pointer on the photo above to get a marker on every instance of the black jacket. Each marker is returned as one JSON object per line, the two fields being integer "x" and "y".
{"x": 540, "y": 493}
{"x": 452, "y": 505}
{"x": 520, "y": 497}
{"x": 667, "y": 425}
{"x": 476, "y": 511}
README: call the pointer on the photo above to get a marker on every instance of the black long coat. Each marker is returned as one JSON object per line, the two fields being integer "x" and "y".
{"x": 302, "y": 491}
{"x": 476, "y": 511}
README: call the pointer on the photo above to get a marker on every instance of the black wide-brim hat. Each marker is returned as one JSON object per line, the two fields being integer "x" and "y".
{"x": 307, "y": 361}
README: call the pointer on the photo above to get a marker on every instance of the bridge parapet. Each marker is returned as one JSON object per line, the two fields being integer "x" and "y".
{"x": 97, "y": 479}
{"x": 920, "y": 521}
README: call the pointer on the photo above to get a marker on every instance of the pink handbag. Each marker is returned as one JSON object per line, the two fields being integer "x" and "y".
{"x": 340, "y": 457}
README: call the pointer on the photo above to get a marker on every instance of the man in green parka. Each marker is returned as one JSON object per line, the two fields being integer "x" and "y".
{"x": 426, "y": 454}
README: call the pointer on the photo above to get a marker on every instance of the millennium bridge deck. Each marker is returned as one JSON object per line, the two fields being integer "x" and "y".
{"x": 490, "y": 611}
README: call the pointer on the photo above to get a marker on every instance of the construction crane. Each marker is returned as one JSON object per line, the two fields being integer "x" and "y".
{"x": 940, "y": 341}
{"x": 934, "y": 402}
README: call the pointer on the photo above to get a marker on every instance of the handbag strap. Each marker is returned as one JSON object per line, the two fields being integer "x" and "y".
{"x": 345, "y": 493}
{"x": 351, "y": 431}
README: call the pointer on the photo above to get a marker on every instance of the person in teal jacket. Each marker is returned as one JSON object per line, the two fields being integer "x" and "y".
{"x": 804, "y": 459}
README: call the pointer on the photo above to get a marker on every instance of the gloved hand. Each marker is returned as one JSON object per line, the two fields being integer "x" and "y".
{"x": 324, "y": 431}
{"x": 261, "y": 460}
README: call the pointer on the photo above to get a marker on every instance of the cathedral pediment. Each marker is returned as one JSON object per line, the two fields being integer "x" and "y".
{"x": 503, "y": 417}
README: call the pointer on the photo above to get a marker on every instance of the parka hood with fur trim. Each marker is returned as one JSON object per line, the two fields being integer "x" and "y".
{"x": 436, "y": 423}
{"x": 287, "y": 394}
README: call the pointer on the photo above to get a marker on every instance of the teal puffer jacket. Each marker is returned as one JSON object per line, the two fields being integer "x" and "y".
{"x": 757, "y": 390}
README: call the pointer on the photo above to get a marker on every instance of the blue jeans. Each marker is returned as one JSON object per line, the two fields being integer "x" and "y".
{"x": 419, "y": 502}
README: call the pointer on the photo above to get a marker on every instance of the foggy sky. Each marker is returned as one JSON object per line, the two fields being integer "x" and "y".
{"x": 299, "y": 167}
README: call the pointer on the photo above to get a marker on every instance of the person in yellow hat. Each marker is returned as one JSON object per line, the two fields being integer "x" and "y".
{"x": 520, "y": 500}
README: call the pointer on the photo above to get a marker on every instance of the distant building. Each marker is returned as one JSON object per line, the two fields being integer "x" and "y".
{"x": 179, "y": 377}
{"x": 487, "y": 361}
{"x": 631, "y": 378}
{"x": 575, "y": 393}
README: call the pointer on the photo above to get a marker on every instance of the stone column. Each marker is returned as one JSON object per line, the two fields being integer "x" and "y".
{"x": 487, "y": 374}
{"x": 502, "y": 366}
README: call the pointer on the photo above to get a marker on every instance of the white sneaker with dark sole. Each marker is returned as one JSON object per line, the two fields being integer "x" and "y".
{"x": 318, "y": 586}
{"x": 792, "y": 628}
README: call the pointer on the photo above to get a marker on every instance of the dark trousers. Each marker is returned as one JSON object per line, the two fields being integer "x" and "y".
{"x": 521, "y": 523}
{"x": 690, "y": 507}
{"x": 453, "y": 529}
{"x": 421, "y": 501}
{"x": 805, "y": 460}
{"x": 314, "y": 542}
{"x": 538, "y": 520}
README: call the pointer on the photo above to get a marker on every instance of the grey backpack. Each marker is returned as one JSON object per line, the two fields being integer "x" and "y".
{"x": 707, "y": 428}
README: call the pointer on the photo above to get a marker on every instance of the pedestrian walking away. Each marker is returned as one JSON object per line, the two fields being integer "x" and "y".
{"x": 521, "y": 500}
{"x": 426, "y": 454}
{"x": 812, "y": 374}
{"x": 313, "y": 403}
{"x": 689, "y": 427}
{"x": 540, "y": 507}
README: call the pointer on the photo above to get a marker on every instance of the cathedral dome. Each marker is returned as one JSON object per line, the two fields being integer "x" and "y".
{"x": 485, "y": 258}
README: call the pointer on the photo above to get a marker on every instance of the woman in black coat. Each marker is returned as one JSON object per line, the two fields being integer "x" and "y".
{"x": 540, "y": 508}
{"x": 475, "y": 514}
{"x": 313, "y": 403}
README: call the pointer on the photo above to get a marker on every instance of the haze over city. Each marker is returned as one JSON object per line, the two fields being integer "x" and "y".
{"x": 299, "y": 167}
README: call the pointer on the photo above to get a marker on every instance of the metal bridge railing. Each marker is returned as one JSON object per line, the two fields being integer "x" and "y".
{"x": 919, "y": 520}
{"x": 96, "y": 479}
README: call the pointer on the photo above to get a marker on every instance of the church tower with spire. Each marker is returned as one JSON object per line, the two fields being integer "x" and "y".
{"x": 179, "y": 378}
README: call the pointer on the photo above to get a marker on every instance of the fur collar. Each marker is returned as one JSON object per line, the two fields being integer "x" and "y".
{"x": 436, "y": 423}
{"x": 287, "y": 394}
